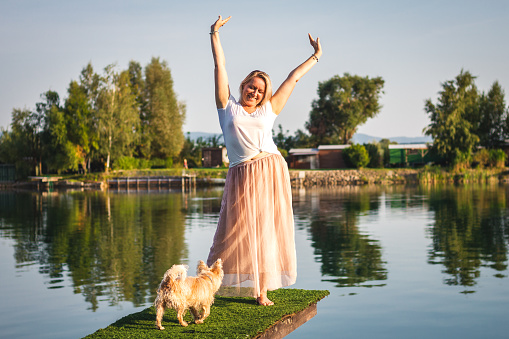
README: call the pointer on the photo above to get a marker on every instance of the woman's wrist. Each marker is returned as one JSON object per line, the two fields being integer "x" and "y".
{"x": 214, "y": 31}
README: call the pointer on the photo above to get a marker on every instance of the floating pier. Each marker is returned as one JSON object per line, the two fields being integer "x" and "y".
{"x": 230, "y": 317}
{"x": 186, "y": 182}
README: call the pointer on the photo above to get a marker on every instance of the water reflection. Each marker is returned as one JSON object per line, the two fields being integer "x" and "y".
{"x": 116, "y": 246}
{"x": 470, "y": 232}
{"x": 347, "y": 256}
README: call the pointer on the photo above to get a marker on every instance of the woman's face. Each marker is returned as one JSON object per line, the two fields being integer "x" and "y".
{"x": 253, "y": 92}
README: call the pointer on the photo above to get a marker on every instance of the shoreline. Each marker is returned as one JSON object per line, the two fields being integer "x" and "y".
{"x": 298, "y": 178}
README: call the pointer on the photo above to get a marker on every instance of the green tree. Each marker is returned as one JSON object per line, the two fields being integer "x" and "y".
{"x": 492, "y": 114}
{"x": 79, "y": 120}
{"x": 118, "y": 118}
{"x": 138, "y": 88}
{"x": 285, "y": 141}
{"x": 454, "y": 118}
{"x": 41, "y": 122}
{"x": 343, "y": 104}
{"x": 165, "y": 114}
{"x": 23, "y": 141}
{"x": 60, "y": 154}
{"x": 376, "y": 153}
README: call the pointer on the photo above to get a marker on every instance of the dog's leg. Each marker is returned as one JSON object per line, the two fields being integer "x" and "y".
{"x": 206, "y": 313}
{"x": 159, "y": 316}
{"x": 181, "y": 311}
{"x": 196, "y": 315}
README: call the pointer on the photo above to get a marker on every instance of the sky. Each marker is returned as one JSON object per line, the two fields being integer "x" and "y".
{"x": 414, "y": 46}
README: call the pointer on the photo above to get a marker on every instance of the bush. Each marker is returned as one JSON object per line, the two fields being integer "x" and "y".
{"x": 497, "y": 158}
{"x": 125, "y": 163}
{"x": 376, "y": 155}
{"x": 157, "y": 163}
{"x": 356, "y": 156}
{"x": 481, "y": 158}
{"x": 129, "y": 163}
{"x": 461, "y": 161}
{"x": 143, "y": 164}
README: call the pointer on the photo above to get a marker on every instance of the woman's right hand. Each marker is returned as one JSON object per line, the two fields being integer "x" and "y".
{"x": 219, "y": 23}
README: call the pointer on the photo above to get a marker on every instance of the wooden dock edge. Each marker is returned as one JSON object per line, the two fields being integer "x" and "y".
{"x": 288, "y": 324}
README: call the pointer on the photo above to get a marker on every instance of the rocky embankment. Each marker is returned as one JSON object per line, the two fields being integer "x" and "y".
{"x": 329, "y": 178}
{"x": 351, "y": 177}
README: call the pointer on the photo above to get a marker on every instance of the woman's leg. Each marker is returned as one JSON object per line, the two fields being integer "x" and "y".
{"x": 262, "y": 299}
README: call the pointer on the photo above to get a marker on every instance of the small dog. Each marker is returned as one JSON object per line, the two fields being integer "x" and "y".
{"x": 180, "y": 292}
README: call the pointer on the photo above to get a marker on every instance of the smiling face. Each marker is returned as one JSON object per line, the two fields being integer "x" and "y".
{"x": 253, "y": 92}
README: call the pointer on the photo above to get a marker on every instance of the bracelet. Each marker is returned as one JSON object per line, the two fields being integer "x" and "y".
{"x": 315, "y": 57}
{"x": 214, "y": 32}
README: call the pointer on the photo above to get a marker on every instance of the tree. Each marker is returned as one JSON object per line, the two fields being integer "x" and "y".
{"x": 24, "y": 138}
{"x": 60, "y": 154}
{"x": 79, "y": 120}
{"x": 165, "y": 114}
{"x": 492, "y": 114}
{"x": 343, "y": 104}
{"x": 138, "y": 89}
{"x": 454, "y": 119}
{"x": 118, "y": 118}
{"x": 16, "y": 145}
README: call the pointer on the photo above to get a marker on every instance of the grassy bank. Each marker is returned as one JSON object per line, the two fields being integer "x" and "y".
{"x": 230, "y": 317}
{"x": 429, "y": 174}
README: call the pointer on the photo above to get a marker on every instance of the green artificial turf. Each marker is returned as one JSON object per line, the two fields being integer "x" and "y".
{"x": 230, "y": 317}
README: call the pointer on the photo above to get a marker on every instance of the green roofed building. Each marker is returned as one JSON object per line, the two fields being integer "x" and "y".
{"x": 410, "y": 155}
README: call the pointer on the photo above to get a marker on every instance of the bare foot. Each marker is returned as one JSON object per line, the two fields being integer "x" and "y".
{"x": 263, "y": 300}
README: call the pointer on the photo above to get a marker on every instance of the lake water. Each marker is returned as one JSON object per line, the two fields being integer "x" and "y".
{"x": 400, "y": 262}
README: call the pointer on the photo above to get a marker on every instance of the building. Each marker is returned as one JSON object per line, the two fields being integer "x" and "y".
{"x": 303, "y": 158}
{"x": 410, "y": 155}
{"x": 214, "y": 156}
{"x": 331, "y": 156}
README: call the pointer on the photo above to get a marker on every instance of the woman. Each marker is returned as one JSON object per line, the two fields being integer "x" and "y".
{"x": 255, "y": 232}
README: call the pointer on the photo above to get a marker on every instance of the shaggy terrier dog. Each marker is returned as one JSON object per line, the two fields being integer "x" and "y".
{"x": 180, "y": 292}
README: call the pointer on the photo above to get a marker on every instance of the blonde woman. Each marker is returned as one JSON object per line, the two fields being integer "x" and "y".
{"x": 255, "y": 232}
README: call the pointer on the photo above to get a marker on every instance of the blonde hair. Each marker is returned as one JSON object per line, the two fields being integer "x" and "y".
{"x": 268, "y": 85}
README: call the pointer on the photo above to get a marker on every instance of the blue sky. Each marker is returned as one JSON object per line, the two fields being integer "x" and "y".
{"x": 413, "y": 45}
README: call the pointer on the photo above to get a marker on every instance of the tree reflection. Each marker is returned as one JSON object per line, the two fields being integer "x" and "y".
{"x": 347, "y": 255}
{"x": 470, "y": 232}
{"x": 114, "y": 247}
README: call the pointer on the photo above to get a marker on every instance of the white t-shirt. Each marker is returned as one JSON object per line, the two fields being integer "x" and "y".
{"x": 246, "y": 135}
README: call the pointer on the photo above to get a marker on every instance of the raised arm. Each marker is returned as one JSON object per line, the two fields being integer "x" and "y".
{"x": 282, "y": 94}
{"x": 222, "y": 90}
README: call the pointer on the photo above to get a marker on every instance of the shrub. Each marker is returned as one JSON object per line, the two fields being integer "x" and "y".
{"x": 497, "y": 158}
{"x": 168, "y": 162}
{"x": 356, "y": 156}
{"x": 125, "y": 163}
{"x": 461, "y": 161}
{"x": 143, "y": 164}
{"x": 376, "y": 155}
{"x": 481, "y": 157}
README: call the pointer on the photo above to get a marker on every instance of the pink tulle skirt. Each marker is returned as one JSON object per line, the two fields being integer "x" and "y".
{"x": 255, "y": 233}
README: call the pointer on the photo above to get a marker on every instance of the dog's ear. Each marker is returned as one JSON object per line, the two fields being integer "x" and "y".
{"x": 201, "y": 267}
{"x": 218, "y": 263}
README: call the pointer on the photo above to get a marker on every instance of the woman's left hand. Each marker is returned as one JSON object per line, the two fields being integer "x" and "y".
{"x": 316, "y": 46}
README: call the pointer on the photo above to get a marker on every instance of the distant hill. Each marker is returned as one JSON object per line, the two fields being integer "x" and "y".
{"x": 358, "y": 138}
{"x": 203, "y": 135}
